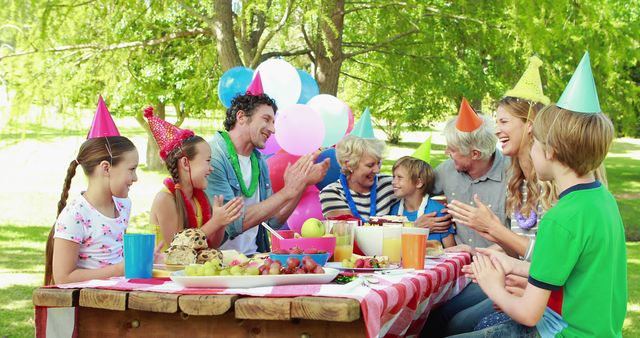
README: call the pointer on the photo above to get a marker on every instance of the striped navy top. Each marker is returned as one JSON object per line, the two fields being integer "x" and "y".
{"x": 332, "y": 198}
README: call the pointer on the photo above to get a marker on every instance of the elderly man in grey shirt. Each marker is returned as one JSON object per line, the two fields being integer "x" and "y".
{"x": 475, "y": 166}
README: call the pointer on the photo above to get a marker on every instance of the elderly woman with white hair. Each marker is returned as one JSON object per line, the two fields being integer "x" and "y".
{"x": 360, "y": 191}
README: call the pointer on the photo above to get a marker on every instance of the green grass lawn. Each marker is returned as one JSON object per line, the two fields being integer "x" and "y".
{"x": 22, "y": 245}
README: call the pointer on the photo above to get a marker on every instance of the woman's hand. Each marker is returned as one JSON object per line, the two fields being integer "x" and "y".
{"x": 461, "y": 248}
{"x": 226, "y": 213}
{"x": 434, "y": 223}
{"x": 480, "y": 218}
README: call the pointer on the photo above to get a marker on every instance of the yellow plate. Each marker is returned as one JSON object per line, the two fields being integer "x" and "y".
{"x": 157, "y": 273}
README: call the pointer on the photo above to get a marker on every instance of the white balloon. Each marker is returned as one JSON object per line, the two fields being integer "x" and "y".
{"x": 280, "y": 81}
{"x": 335, "y": 115}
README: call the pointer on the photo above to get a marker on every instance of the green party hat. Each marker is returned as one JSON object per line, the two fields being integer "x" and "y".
{"x": 580, "y": 95}
{"x": 363, "y": 128}
{"x": 423, "y": 152}
{"x": 530, "y": 86}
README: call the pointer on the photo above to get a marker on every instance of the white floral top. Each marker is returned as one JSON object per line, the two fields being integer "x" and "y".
{"x": 100, "y": 237}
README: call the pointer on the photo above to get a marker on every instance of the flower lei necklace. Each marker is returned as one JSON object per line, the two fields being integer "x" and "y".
{"x": 527, "y": 223}
{"x": 200, "y": 197}
{"x": 236, "y": 167}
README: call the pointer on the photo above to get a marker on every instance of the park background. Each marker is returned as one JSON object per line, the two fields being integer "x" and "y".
{"x": 409, "y": 61}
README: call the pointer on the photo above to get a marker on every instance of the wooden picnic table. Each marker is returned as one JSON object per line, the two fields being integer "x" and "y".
{"x": 111, "y": 313}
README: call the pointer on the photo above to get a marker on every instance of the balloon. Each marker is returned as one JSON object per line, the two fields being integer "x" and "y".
{"x": 335, "y": 116}
{"x": 351, "y": 121}
{"x": 334, "y": 168}
{"x": 280, "y": 81}
{"x": 277, "y": 165}
{"x": 271, "y": 146}
{"x": 309, "y": 87}
{"x": 299, "y": 129}
{"x": 308, "y": 207}
{"x": 233, "y": 82}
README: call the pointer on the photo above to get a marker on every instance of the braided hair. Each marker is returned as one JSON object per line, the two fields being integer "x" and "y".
{"x": 92, "y": 152}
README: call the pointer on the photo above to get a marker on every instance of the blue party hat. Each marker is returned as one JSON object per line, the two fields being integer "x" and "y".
{"x": 580, "y": 95}
{"x": 363, "y": 128}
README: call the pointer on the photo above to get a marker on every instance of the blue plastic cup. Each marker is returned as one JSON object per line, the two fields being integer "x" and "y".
{"x": 138, "y": 255}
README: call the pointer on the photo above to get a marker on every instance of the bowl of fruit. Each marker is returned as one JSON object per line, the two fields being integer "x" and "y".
{"x": 327, "y": 243}
{"x": 297, "y": 257}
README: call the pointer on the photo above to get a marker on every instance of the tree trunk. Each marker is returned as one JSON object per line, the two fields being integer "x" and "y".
{"x": 226, "y": 42}
{"x": 153, "y": 158}
{"x": 329, "y": 55}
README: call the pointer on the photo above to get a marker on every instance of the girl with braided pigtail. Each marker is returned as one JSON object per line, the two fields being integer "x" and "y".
{"x": 182, "y": 203}
{"x": 86, "y": 240}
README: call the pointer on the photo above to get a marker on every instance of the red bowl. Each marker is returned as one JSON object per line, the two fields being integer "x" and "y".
{"x": 327, "y": 244}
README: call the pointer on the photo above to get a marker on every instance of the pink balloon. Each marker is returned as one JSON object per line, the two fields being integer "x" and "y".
{"x": 277, "y": 165}
{"x": 351, "y": 121}
{"x": 308, "y": 207}
{"x": 299, "y": 129}
{"x": 271, "y": 146}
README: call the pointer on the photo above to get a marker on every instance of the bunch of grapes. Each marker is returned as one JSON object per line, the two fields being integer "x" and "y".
{"x": 214, "y": 267}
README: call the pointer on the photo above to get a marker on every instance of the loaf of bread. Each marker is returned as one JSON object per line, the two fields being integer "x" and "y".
{"x": 192, "y": 238}
{"x": 206, "y": 255}
{"x": 180, "y": 254}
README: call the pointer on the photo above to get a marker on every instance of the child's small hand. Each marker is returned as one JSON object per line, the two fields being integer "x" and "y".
{"x": 500, "y": 258}
{"x": 466, "y": 269}
{"x": 229, "y": 212}
{"x": 490, "y": 277}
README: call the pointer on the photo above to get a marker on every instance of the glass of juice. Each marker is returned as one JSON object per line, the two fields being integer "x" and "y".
{"x": 392, "y": 241}
{"x": 414, "y": 247}
{"x": 344, "y": 232}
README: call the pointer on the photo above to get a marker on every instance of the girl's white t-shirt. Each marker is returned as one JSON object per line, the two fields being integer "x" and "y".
{"x": 100, "y": 237}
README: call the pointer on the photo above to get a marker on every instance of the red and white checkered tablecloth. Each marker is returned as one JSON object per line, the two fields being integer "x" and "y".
{"x": 397, "y": 306}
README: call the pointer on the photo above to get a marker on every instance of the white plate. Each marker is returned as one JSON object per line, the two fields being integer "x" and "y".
{"x": 338, "y": 265}
{"x": 252, "y": 281}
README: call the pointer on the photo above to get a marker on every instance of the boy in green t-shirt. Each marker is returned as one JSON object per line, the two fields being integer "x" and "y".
{"x": 577, "y": 284}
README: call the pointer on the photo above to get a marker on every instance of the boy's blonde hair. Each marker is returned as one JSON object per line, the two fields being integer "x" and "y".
{"x": 417, "y": 170}
{"x": 351, "y": 149}
{"x": 579, "y": 141}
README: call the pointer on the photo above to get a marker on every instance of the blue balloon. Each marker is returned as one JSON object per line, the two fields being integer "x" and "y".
{"x": 334, "y": 168}
{"x": 233, "y": 82}
{"x": 309, "y": 87}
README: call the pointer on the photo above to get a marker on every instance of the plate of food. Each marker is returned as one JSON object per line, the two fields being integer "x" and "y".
{"x": 338, "y": 265}
{"x": 359, "y": 263}
{"x": 434, "y": 249}
{"x": 251, "y": 281}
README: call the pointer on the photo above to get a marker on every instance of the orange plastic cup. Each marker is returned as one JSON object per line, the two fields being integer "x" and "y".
{"x": 413, "y": 251}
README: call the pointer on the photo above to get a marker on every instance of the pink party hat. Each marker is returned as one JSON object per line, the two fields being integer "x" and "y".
{"x": 255, "y": 88}
{"x": 102, "y": 124}
{"x": 166, "y": 134}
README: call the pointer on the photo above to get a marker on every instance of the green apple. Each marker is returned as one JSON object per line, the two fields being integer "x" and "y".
{"x": 312, "y": 228}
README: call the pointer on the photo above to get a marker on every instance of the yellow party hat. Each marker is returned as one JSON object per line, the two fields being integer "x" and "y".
{"x": 530, "y": 86}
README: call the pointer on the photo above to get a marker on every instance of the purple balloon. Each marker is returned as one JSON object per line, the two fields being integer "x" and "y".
{"x": 299, "y": 129}
{"x": 271, "y": 146}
